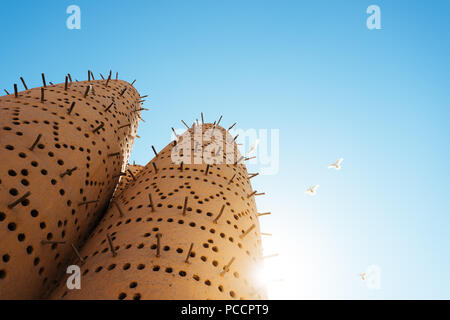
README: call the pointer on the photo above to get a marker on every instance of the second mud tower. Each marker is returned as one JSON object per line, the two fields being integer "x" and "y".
{"x": 182, "y": 229}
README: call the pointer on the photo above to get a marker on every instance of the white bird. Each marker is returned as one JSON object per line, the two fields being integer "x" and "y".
{"x": 312, "y": 191}
{"x": 336, "y": 165}
{"x": 363, "y": 276}
{"x": 253, "y": 148}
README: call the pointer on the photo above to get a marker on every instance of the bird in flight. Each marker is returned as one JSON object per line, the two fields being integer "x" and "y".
{"x": 312, "y": 191}
{"x": 363, "y": 276}
{"x": 336, "y": 165}
{"x": 253, "y": 148}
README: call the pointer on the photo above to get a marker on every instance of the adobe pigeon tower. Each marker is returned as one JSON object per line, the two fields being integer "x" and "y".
{"x": 185, "y": 228}
{"x": 63, "y": 148}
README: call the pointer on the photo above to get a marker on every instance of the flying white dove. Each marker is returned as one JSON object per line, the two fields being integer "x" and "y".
{"x": 336, "y": 165}
{"x": 312, "y": 191}
{"x": 253, "y": 148}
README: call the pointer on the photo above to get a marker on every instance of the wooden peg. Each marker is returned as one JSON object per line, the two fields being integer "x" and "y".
{"x": 189, "y": 253}
{"x": 260, "y": 194}
{"x": 123, "y": 92}
{"x": 154, "y": 166}
{"x": 271, "y": 256}
{"x": 174, "y": 132}
{"x": 117, "y": 76}
{"x": 6, "y": 91}
{"x": 109, "y": 78}
{"x": 151, "y": 202}
{"x": 249, "y": 158}
{"x": 231, "y": 180}
{"x": 77, "y": 253}
{"x": 141, "y": 109}
{"x": 36, "y": 142}
{"x": 66, "y": 83}
{"x": 158, "y": 244}
{"x": 89, "y": 75}
{"x": 252, "y": 194}
{"x": 118, "y": 207}
{"x": 16, "y": 202}
{"x": 239, "y": 160}
{"x": 218, "y": 122}
{"x": 185, "y": 124}
{"x": 131, "y": 174}
{"x": 109, "y": 107}
{"x": 111, "y": 246}
{"x": 263, "y": 214}
{"x": 43, "y": 80}
{"x": 203, "y": 122}
{"x": 102, "y": 76}
{"x": 140, "y": 118}
{"x": 207, "y": 169}
{"x": 24, "y": 84}
{"x": 266, "y": 234}
{"x": 154, "y": 151}
{"x": 87, "y": 91}
{"x": 71, "y": 108}
{"x": 227, "y": 267}
{"x": 231, "y": 126}
{"x": 42, "y": 95}
{"x": 242, "y": 236}
{"x": 252, "y": 175}
{"x": 181, "y": 166}
{"x": 70, "y": 77}
{"x": 235, "y": 137}
{"x": 68, "y": 172}
{"x": 125, "y": 125}
{"x": 87, "y": 202}
{"x": 16, "y": 93}
{"x": 185, "y": 205}
{"x": 133, "y": 82}
{"x": 98, "y": 128}
{"x": 219, "y": 215}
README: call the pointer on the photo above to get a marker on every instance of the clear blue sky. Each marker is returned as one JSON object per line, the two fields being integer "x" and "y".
{"x": 378, "y": 98}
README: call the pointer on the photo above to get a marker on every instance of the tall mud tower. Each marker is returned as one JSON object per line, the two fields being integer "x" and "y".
{"x": 63, "y": 149}
{"x": 182, "y": 229}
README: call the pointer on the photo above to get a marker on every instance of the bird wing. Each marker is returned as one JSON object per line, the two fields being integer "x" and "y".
{"x": 339, "y": 161}
{"x": 253, "y": 147}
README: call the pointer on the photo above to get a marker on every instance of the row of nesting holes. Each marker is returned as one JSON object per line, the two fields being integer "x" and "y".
{"x": 239, "y": 176}
{"x": 199, "y": 211}
{"x": 155, "y": 268}
{"x": 170, "y": 220}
